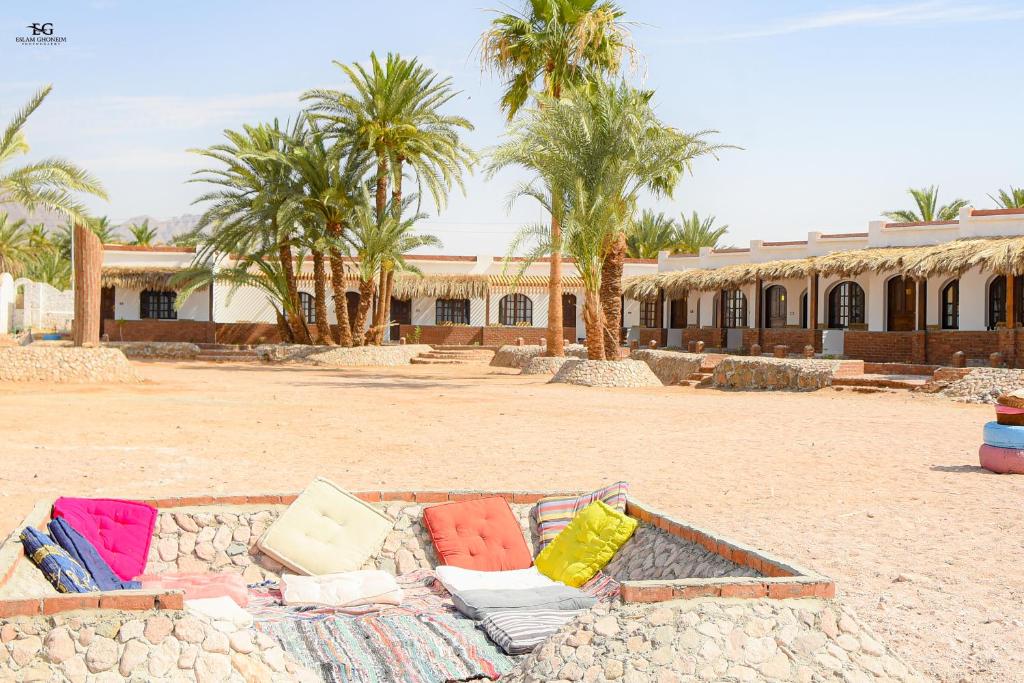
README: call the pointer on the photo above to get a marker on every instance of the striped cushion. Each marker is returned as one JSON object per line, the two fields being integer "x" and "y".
{"x": 555, "y": 512}
{"x": 518, "y": 632}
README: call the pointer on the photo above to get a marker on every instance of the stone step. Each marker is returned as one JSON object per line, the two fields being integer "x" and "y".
{"x": 420, "y": 360}
{"x": 880, "y": 382}
{"x": 467, "y": 355}
{"x": 225, "y": 347}
{"x": 228, "y": 357}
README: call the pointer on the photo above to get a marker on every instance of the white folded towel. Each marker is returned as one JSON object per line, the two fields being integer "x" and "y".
{"x": 344, "y": 589}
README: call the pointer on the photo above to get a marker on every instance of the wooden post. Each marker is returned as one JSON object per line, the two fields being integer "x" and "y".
{"x": 1011, "y": 302}
{"x": 487, "y": 309}
{"x": 922, "y": 305}
{"x": 721, "y": 318}
{"x": 88, "y": 262}
{"x": 759, "y": 308}
{"x": 812, "y": 303}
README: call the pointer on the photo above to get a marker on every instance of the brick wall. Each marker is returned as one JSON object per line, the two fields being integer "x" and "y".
{"x": 711, "y": 336}
{"x": 976, "y": 345}
{"x": 885, "y": 347}
{"x": 442, "y": 334}
{"x": 499, "y": 336}
{"x": 651, "y": 333}
{"x": 159, "y": 330}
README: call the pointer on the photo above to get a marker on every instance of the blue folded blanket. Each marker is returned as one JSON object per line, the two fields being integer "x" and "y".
{"x": 85, "y": 553}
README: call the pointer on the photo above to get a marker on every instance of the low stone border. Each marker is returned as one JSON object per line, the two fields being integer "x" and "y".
{"x": 777, "y": 578}
{"x": 65, "y": 365}
{"x": 544, "y": 365}
{"x": 174, "y": 350}
{"x": 777, "y": 374}
{"x": 671, "y": 367}
{"x": 511, "y": 356}
{"x": 606, "y": 373}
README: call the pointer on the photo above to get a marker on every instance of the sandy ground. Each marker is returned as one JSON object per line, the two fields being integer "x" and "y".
{"x": 882, "y": 492}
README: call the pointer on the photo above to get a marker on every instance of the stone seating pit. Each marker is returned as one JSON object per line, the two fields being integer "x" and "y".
{"x": 680, "y": 586}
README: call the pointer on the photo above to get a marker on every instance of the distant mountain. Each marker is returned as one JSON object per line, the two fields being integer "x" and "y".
{"x": 166, "y": 228}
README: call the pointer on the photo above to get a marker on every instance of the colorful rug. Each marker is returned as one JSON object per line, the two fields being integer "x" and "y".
{"x": 386, "y": 648}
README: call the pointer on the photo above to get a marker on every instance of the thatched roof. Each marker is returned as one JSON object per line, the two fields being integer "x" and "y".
{"x": 441, "y": 286}
{"x": 140, "y": 277}
{"x": 1000, "y": 255}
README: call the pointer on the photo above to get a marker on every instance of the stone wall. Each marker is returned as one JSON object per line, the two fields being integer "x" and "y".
{"x": 984, "y": 385}
{"x": 390, "y": 355}
{"x": 140, "y": 646}
{"x": 654, "y": 554}
{"x": 544, "y": 365}
{"x": 173, "y": 350}
{"x": 715, "y": 640}
{"x": 65, "y": 364}
{"x": 777, "y": 374}
{"x": 671, "y": 367}
{"x": 606, "y": 373}
{"x": 512, "y": 356}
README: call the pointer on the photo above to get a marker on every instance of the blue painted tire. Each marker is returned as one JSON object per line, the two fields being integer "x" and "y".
{"x": 1004, "y": 436}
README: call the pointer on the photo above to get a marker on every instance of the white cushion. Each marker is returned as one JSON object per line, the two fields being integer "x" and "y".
{"x": 348, "y": 589}
{"x": 325, "y": 531}
{"x": 457, "y": 579}
{"x": 220, "y": 609}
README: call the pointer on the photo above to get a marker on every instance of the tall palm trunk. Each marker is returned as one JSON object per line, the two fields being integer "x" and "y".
{"x": 300, "y": 333}
{"x": 396, "y": 204}
{"x": 283, "y": 329}
{"x": 593, "y": 320}
{"x": 366, "y": 288}
{"x": 344, "y": 336}
{"x": 556, "y": 346}
{"x": 323, "y": 326}
{"x": 611, "y": 294}
{"x": 376, "y": 333}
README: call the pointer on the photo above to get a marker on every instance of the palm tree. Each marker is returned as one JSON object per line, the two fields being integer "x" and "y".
{"x": 653, "y": 233}
{"x": 243, "y": 213}
{"x": 103, "y": 229}
{"x": 15, "y": 246}
{"x": 604, "y": 146}
{"x": 928, "y": 210}
{"x": 560, "y": 44}
{"x": 380, "y": 242}
{"x": 1012, "y": 198}
{"x": 50, "y": 267}
{"x": 393, "y": 112}
{"x": 49, "y": 183}
{"x": 695, "y": 232}
{"x": 327, "y": 187}
{"x": 142, "y": 235}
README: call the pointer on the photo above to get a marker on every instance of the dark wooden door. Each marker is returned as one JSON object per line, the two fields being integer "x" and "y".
{"x": 902, "y": 305}
{"x": 401, "y": 314}
{"x": 775, "y": 306}
{"x": 106, "y": 304}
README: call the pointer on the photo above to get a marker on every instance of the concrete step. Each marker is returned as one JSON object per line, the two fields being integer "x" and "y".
{"x": 225, "y": 347}
{"x": 464, "y": 355}
{"x": 420, "y": 360}
{"x": 463, "y": 347}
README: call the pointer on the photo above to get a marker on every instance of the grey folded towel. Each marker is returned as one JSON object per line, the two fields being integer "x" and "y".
{"x": 476, "y": 604}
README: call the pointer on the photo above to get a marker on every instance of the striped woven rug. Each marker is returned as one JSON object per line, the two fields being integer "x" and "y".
{"x": 386, "y": 648}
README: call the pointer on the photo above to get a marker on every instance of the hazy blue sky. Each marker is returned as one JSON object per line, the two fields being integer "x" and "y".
{"x": 839, "y": 106}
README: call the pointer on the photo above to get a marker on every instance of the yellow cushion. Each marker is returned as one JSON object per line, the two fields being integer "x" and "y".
{"x": 586, "y": 545}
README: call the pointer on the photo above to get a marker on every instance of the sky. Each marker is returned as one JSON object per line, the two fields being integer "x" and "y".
{"x": 838, "y": 107}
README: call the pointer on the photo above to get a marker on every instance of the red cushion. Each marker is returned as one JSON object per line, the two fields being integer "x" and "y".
{"x": 478, "y": 534}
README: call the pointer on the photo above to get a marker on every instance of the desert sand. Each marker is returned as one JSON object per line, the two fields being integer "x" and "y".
{"x": 881, "y": 492}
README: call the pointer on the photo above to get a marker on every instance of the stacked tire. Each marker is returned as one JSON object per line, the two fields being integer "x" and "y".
{"x": 1003, "y": 448}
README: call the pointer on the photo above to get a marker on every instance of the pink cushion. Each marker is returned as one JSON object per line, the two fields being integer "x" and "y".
{"x": 200, "y": 585}
{"x": 121, "y": 530}
{"x": 1001, "y": 460}
{"x": 478, "y": 534}
{"x": 1007, "y": 410}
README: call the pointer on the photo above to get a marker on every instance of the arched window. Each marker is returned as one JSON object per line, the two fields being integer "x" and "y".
{"x": 775, "y": 306}
{"x": 451, "y": 312}
{"x": 804, "y": 312}
{"x": 997, "y": 300}
{"x": 950, "y": 306}
{"x": 845, "y": 305}
{"x": 515, "y": 309}
{"x": 352, "y": 304}
{"x": 155, "y": 305}
{"x": 735, "y": 309}
{"x": 568, "y": 310}
{"x": 308, "y": 303}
